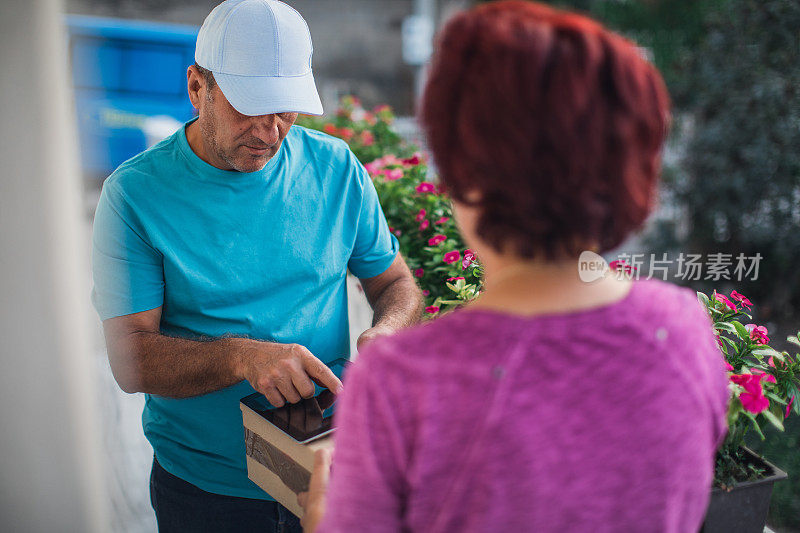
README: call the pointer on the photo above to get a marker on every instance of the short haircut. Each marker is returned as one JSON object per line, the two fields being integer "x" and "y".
{"x": 208, "y": 76}
{"x": 557, "y": 122}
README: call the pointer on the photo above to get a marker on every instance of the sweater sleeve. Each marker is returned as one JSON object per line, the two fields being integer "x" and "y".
{"x": 366, "y": 491}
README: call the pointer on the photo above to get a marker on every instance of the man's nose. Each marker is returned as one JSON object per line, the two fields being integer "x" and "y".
{"x": 265, "y": 128}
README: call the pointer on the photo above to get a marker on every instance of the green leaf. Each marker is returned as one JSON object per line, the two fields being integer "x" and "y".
{"x": 774, "y": 420}
{"x": 703, "y": 298}
{"x": 766, "y": 351}
{"x": 793, "y": 339}
{"x": 740, "y": 329}
{"x": 755, "y": 423}
{"x": 724, "y": 326}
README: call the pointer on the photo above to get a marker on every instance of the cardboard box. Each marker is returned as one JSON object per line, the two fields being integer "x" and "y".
{"x": 275, "y": 461}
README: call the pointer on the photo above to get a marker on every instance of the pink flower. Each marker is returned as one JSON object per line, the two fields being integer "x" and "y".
{"x": 769, "y": 378}
{"x": 389, "y": 159}
{"x": 436, "y": 240}
{"x": 426, "y": 187}
{"x": 421, "y": 215}
{"x": 426, "y": 292}
{"x": 789, "y": 407}
{"x": 724, "y": 299}
{"x": 424, "y": 225}
{"x": 455, "y": 279}
{"x": 432, "y": 309}
{"x": 741, "y": 298}
{"x": 369, "y": 118}
{"x": 749, "y": 382}
{"x": 728, "y": 367}
{"x": 346, "y": 133}
{"x": 469, "y": 258}
{"x": 771, "y": 362}
{"x": 367, "y": 138}
{"x": 419, "y": 272}
{"x": 411, "y": 161}
{"x": 452, "y": 257}
{"x": 442, "y": 220}
{"x": 373, "y": 168}
{"x": 330, "y": 129}
{"x": 757, "y": 333}
{"x": 394, "y": 174}
{"x": 755, "y": 403}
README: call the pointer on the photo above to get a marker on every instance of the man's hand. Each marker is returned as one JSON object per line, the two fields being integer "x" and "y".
{"x": 284, "y": 372}
{"x": 313, "y": 501}
{"x": 373, "y": 333}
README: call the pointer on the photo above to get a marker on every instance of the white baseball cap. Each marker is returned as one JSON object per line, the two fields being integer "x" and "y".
{"x": 260, "y": 54}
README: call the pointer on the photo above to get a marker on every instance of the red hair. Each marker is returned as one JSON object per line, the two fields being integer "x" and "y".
{"x": 557, "y": 122}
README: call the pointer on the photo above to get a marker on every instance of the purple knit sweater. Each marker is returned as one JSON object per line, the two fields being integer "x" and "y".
{"x": 598, "y": 420}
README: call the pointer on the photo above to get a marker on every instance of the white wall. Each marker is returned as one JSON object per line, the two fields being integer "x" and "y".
{"x": 50, "y": 468}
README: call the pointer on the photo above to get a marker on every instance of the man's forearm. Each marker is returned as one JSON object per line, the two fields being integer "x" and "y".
{"x": 177, "y": 367}
{"x": 398, "y": 306}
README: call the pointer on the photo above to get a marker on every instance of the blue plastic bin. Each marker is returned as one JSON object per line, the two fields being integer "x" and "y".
{"x": 125, "y": 73}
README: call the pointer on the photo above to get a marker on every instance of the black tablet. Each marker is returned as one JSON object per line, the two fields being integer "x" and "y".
{"x": 305, "y": 421}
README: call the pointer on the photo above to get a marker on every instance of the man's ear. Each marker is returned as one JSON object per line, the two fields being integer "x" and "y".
{"x": 195, "y": 86}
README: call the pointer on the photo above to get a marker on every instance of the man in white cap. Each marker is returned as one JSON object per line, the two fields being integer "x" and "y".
{"x": 219, "y": 261}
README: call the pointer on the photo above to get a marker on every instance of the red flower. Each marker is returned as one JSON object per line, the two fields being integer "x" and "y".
{"x": 432, "y": 309}
{"x": 741, "y": 298}
{"x": 369, "y": 118}
{"x": 330, "y": 129}
{"x": 424, "y": 225}
{"x": 749, "y": 382}
{"x": 728, "y": 367}
{"x": 469, "y": 258}
{"x": 442, "y": 220}
{"x": 419, "y": 272}
{"x": 621, "y": 265}
{"x": 426, "y": 187}
{"x": 452, "y": 257}
{"x": 426, "y": 292}
{"x": 755, "y": 403}
{"x": 421, "y": 215}
{"x": 346, "y": 133}
{"x": 436, "y": 240}
{"x": 724, "y": 299}
{"x": 411, "y": 161}
{"x": 757, "y": 333}
{"x": 789, "y": 407}
{"x": 455, "y": 279}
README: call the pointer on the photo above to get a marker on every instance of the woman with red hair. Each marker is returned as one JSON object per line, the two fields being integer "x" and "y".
{"x": 550, "y": 403}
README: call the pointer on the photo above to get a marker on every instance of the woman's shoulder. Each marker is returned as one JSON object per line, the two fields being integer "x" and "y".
{"x": 457, "y": 340}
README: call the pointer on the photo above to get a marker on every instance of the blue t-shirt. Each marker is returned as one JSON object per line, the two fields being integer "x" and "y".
{"x": 261, "y": 254}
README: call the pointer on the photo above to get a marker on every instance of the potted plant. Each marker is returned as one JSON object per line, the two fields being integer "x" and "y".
{"x": 764, "y": 386}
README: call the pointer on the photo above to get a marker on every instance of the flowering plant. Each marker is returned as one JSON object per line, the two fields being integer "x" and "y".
{"x": 763, "y": 382}
{"x": 418, "y": 213}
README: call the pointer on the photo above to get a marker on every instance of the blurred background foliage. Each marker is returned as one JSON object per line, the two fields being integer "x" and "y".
{"x": 732, "y": 171}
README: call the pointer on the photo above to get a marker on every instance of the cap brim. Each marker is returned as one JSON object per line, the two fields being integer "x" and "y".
{"x": 264, "y": 95}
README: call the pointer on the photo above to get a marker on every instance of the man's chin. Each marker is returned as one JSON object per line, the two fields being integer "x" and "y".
{"x": 251, "y": 164}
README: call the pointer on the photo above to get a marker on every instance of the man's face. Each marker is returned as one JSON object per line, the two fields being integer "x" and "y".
{"x": 234, "y": 141}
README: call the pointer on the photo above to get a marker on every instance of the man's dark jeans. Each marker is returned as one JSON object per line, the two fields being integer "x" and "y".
{"x": 183, "y": 508}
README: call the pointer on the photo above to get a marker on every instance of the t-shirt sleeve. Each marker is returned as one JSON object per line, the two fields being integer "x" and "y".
{"x": 128, "y": 272}
{"x": 366, "y": 488}
{"x": 375, "y": 247}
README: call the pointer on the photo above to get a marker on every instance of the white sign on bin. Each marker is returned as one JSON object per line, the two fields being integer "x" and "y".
{"x": 417, "y": 39}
